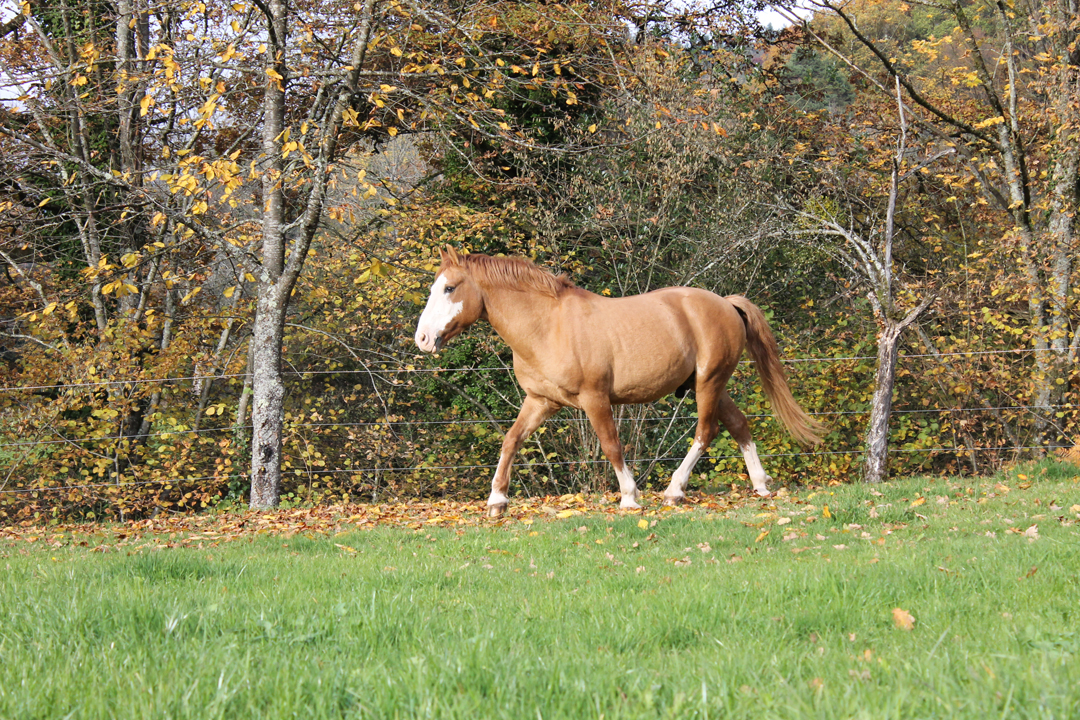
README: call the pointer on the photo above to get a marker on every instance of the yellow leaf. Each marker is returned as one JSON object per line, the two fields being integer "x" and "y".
{"x": 903, "y": 619}
{"x": 989, "y": 121}
{"x": 229, "y": 291}
{"x": 918, "y": 502}
{"x": 566, "y": 513}
{"x": 392, "y": 131}
{"x": 825, "y": 512}
{"x": 643, "y": 524}
{"x": 395, "y": 51}
{"x": 762, "y": 536}
{"x": 592, "y": 128}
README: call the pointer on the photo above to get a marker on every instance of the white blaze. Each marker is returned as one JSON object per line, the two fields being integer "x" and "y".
{"x": 437, "y": 314}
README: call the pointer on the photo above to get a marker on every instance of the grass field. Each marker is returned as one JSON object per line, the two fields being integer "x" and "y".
{"x": 795, "y": 607}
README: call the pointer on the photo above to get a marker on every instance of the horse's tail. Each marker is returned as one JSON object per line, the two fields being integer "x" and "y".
{"x": 761, "y": 344}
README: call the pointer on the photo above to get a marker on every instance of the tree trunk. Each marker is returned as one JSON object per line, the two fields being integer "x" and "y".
{"x": 877, "y": 436}
{"x": 268, "y": 399}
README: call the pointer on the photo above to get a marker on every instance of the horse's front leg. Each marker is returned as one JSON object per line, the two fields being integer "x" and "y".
{"x": 598, "y": 410}
{"x": 534, "y": 411}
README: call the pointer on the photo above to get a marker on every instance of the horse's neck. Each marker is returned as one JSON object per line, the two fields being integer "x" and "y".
{"x": 522, "y": 319}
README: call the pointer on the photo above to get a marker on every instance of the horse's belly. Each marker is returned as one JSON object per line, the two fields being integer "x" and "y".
{"x": 650, "y": 381}
{"x": 651, "y": 369}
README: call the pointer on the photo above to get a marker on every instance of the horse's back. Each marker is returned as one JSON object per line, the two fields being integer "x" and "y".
{"x": 645, "y": 346}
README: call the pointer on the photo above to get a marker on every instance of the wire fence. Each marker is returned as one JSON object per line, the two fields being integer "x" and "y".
{"x": 393, "y": 376}
{"x": 412, "y": 370}
{"x": 439, "y": 468}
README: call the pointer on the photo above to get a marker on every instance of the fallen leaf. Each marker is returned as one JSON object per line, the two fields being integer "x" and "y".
{"x": 643, "y": 523}
{"x": 918, "y": 501}
{"x": 903, "y": 619}
{"x": 762, "y": 536}
{"x": 825, "y": 512}
{"x": 1032, "y": 532}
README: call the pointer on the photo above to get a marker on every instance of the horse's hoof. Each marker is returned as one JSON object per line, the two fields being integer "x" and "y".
{"x": 673, "y": 500}
{"x": 629, "y": 505}
{"x": 763, "y": 492}
{"x": 496, "y": 510}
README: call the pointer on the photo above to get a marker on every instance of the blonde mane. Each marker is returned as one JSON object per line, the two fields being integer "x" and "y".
{"x": 515, "y": 273}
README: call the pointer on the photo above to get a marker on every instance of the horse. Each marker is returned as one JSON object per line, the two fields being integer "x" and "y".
{"x": 574, "y": 348}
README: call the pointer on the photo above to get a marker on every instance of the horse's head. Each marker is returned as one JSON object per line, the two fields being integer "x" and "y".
{"x": 454, "y": 304}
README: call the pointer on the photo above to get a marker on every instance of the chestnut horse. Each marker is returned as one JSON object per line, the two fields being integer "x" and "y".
{"x": 575, "y": 348}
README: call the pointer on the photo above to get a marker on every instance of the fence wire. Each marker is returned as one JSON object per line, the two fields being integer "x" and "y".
{"x": 505, "y": 421}
{"x": 421, "y": 371}
{"x": 382, "y": 372}
{"x": 558, "y": 463}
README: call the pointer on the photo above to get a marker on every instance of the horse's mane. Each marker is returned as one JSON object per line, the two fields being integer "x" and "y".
{"x": 515, "y": 273}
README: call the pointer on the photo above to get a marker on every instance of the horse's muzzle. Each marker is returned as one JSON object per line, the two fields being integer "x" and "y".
{"x": 425, "y": 343}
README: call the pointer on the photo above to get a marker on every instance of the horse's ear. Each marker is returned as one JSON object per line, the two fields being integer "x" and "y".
{"x": 449, "y": 256}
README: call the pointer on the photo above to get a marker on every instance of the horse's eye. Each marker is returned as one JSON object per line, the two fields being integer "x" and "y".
{"x": 449, "y": 289}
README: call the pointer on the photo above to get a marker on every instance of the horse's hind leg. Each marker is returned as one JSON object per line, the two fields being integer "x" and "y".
{"x": 534, "y": 411}
{"x": 707, "y": 428}
{"x": 737, "y": 425}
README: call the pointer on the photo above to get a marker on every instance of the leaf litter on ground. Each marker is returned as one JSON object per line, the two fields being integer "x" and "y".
{"x": 854, "y": 511}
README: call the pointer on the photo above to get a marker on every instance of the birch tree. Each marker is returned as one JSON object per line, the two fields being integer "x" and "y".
{"x": 170, "y": 135}
{"x": 1007, "y": 103}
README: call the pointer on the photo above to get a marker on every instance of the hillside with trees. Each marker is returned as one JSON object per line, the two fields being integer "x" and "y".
{"x": 218, "y": 223}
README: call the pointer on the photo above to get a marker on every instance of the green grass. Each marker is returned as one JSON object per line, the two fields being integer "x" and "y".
{"x": 586, "y": 617}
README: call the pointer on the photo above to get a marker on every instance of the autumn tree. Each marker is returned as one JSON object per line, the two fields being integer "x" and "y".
{"x": 996, "y": 83}
{"x": 185, "y": 144}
